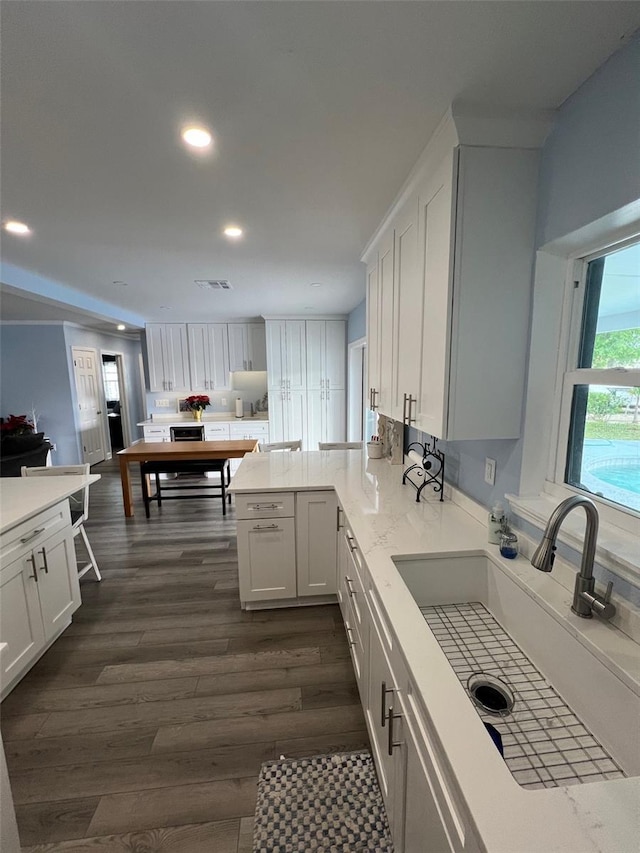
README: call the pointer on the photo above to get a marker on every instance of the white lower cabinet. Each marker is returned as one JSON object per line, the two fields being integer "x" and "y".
{"x": 39, "y": 589}
{"x": 286, "y": 546}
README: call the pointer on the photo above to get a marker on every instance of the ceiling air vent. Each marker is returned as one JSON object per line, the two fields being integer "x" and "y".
{"x": 214, "y": 284}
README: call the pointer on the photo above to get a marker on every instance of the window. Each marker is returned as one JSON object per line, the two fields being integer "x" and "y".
{"x": 600, "y": 419}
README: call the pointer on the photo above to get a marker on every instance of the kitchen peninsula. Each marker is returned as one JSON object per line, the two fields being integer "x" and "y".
{"x": 441, "y": 776}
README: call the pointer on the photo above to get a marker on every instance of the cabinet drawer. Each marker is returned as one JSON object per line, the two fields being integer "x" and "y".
{"x": 265, "y": 505}
{"x": 354, "y": 591}
{"x": 156, "y": 433}
{"x": 249, "y": 430}
{"x": 216, "y": 432}
{"x": 31, "y": 533}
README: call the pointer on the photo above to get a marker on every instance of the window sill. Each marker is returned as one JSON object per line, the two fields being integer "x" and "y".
{"x": 616, "y": 549}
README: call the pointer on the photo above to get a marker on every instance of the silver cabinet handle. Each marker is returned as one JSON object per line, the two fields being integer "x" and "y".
{"x": 351, "y": 642}
{"x": 266, "y": 527}
{"x": 266, "y": 506}
{"x": 383, "y": 701}
{"x": 404, "y": 410}
{"x": 32, "y": 560}
{"x": 32, "y": 535}
{"x": 391, "y": 742}
{"x": 44, "y": 560}
{"x": 350, "y": 589}
{"x": 338, "y": 511}
{"x": 411, "y": 400}
{"x": 350, "y": 542}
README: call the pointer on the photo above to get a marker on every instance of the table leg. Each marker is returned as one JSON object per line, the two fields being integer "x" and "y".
{"x": 127, "y": 493}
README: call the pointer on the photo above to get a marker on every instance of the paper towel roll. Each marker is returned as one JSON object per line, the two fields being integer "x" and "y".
{"x": 415, "y": 458}
{"x": 239, "y": 407}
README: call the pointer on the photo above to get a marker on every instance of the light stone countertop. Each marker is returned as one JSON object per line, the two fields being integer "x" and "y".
{"x": 186, "y": 419}
{"x": 23, "y": 497}
{"x": 386, "y": 521}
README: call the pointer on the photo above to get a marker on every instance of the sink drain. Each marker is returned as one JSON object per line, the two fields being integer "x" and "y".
{"x": 491, "y": 693}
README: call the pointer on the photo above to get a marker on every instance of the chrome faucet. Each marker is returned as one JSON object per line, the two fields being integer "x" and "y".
{"x": 585, "y": 599}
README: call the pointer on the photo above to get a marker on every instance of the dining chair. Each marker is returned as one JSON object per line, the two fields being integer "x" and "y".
{"x": 339, "y": 445}
{"x": 280, "y": 445}
{"x": 79, "y": 505}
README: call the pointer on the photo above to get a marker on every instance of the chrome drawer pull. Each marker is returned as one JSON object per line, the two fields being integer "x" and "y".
{"x": 351, "y": 542}
{"x": 392, "y": 743}
{"x": 266, "y": 506}
{"x": 32, "y": 535}
{"x": 266, "y": 527}
{"x": 32, "y": 560}
{"x": 383, "y": 701}
{"x": 351, "y": 642}
{"x": 44, "y": 559}
{"x": 350, "y": 589}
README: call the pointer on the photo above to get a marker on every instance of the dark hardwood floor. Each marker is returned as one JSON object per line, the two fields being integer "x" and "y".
{"x": 144, "y": 726}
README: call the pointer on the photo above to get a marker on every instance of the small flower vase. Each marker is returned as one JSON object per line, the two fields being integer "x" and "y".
{"x": 197, "y": 415}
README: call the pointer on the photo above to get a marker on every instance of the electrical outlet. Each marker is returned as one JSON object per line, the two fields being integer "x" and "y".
{"x": 489, "y": 471}
{"x": 223, "y": 402}
{"x": 163, "y": 404}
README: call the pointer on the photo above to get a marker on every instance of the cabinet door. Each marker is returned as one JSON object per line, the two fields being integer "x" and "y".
{"x": 335, "y": 354}
{"x": 387, "y": 324}
{"x": 257, "y": 346}
{"x": 219, "y": 373}
{"x": 198, "y": 337}
{"x": 154, "y": 333}
{"x": 408, "y": 311}
{"x": 296, "y": 373}
{"x": 176, "y": 357}
{"x": 316, "y": 542}
{"x": 296, "y": 418}
{"x": 57, "y": 582}
{"x": 373, "y": 328}
{"x": 238, "y": 357}
{"x": 436, "y": 237}
{"x": 277, "y": 413}
{"x": 316, "y": 414}
{"x": 381, "y": 696}
{"x": 20, "y": 618}
{"x": 316, "y": 355}
{"x": 336, "y": 415}
{"x": 276, "y": 361}
{"x": 267, "y": 559}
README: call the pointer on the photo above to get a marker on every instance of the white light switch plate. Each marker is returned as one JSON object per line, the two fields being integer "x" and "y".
{"x": 489, "y": 471}
{"x": 163, "y": 404}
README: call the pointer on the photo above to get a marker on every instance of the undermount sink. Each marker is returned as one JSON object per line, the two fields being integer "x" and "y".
{"x": 564, "y": 716}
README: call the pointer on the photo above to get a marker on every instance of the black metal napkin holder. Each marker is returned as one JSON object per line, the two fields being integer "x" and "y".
{"x": 430, "y": 470}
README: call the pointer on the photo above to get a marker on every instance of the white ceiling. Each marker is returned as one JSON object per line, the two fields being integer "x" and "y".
{"x": 319, "y": 110}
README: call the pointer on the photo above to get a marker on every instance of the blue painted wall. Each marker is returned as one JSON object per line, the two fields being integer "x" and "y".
{"x": 36, "y": 371}
{"x": 357, "y": 322}
{"x": 590, "y": 162}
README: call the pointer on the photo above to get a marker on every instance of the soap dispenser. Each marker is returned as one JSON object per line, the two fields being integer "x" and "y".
{"x": 496, "y": 522}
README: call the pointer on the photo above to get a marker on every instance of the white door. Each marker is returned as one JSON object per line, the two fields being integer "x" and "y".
{"x": 296, "y": 374}
{"x": 277, "y": 414}
{"x": 315, "y": 332}
{"x": 238, "y": 358}
{"x": 267, "y": 557}
{"x": 21, "y": 622}
{"x": 387, "y": 323}
{"x": 316, "y": 414}
{"x": 373, "y": 330}
{"x": 198, "y": 335}
{"x": 276, "y": 363}
{"x": 176, "y": 357}
{"x": 57, "y": 581}
{"x": 296, "y": 418}
{"x": 219, "y": 373}
{"x": 257, "y": 346}
{"x": 408, "y": 310}
{"x": 335, "y": 354}
{"x": 89, "y": 412}
{"x": 316, "y": 542}
{"x": 336, "y": 415}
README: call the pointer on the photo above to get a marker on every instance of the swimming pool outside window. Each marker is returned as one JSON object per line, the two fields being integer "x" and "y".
{"x": 603, "y": 390}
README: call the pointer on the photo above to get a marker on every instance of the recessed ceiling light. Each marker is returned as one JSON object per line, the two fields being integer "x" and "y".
{"x": 233, "y": 231}
{"x": 15, "y": 227}
{"x": 316, "y": 284}
{"x": 121, "y": 327}
{"x": 121, "y": 283}
{"x": 197, "y": 137}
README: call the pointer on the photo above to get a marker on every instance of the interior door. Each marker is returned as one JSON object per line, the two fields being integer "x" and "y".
{"x": 89, "y": 412}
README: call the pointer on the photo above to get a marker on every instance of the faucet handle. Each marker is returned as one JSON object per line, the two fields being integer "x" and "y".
{"x": 601, "y": 605}
{"x": 607, "y": 595}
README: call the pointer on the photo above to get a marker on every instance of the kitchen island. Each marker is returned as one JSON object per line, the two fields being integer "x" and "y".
{"x": 444, "y": 783}
{"x": 39, "y": 588}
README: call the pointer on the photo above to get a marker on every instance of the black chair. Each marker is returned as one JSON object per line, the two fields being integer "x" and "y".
{"x": 193, "y": 467}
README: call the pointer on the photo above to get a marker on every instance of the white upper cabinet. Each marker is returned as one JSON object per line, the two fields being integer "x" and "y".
{"x": 247, "y": 347}
{"x": 448, "y": 292}
{"x": 286, "y": 354}
{"x": 168, "y": 357}
{"x": 209, "y": 356}
{"x": 326, "y": 354}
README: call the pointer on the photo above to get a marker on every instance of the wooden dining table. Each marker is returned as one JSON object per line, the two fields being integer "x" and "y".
{"x": 176, "y": 451}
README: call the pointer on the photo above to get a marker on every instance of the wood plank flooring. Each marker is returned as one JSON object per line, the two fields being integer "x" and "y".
{"x": 144, "y": 726}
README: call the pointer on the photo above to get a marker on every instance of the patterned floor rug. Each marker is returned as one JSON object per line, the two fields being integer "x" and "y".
{"x": 327, "y": 803}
